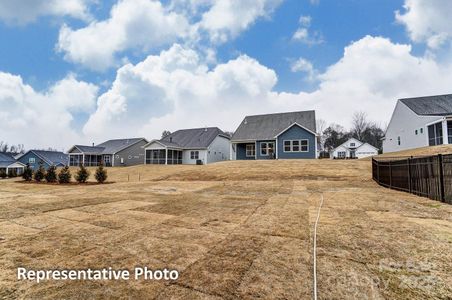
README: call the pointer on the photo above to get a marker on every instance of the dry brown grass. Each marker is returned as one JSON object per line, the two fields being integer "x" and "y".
{"x": 234, "y": 230}
{"x": 423, "y": 151}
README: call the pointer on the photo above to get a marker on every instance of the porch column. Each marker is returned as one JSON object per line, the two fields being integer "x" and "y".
{"x": 445, "y": 133}
{"x": 83, "y": 159}
{"x": 7, "y": 173}
{"x": 166, "y": 156}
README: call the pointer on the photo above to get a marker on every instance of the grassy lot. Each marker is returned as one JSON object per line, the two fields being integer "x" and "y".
{"x": 233, "y": 230}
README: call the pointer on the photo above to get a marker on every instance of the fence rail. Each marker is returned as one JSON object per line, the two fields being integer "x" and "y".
{"x": 427, "y": 176}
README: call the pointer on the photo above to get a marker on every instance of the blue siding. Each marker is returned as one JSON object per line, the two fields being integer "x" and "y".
{"x": 26, "y": 158}
{"x": 258, "y": 150}
{"x": 241, "y": 152}
{"x": 296, "y": 133}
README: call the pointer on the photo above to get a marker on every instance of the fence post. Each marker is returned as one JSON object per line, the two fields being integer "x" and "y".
{"x": 390, "y": 174}
{"x": 409, "y": 174}
{"x": 378, "y": 171}
{"x": 441, "y": 178}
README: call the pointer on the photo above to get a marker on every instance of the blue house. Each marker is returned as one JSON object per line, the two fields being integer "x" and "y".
{"x": 289, "y": 135}
{"x": 48, "y": 158}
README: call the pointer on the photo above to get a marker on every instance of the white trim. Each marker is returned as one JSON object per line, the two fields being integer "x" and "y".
{"x": 246, "y": 150}
{"x": 363, "y": 145}
{"x": 291, "y": 146}
{"x": 293, "y": 124}
{"x": 260, "y": 148}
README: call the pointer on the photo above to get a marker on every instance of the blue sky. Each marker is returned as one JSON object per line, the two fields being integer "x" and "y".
{"x": 141, "y": 63}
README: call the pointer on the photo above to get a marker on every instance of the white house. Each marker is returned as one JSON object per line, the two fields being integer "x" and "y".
{"x": 353, "y": 149}
{"x": 419, "y": 122}
{"x": 189, "y": 146}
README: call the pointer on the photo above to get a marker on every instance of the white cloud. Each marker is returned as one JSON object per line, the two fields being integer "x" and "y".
{"x": 133, "y": 24}
{"x": 226, "y": 18}
{"x": 177, "y": 90}
{"x": 42, "y": 119}
{"x": 23, "y": 12}
{"x": 427, "y": 21}
{"x": 145, "y": 25}
{"x": 304, "y": 35}
{"x": 304, "y": 66}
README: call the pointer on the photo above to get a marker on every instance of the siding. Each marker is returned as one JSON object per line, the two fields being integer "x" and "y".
{"x": 241, "y": 152}
{"x": 296, "y": 133}
{"x": 186, "y": 160}
{"x": 219, "y": 150}
{"x": 132, "y": 156}
{"x": 25, "y": 159}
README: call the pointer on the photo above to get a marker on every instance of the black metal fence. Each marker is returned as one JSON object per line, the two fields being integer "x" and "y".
{"x": 428, "y": 176}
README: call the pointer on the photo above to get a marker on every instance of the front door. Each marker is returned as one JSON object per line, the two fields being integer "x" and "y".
{"x": 352, "y": 154}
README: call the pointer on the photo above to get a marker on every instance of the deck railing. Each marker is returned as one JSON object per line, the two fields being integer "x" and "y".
{"x": 427, "y": 176}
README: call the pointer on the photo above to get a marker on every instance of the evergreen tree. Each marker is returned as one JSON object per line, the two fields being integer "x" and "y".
{"x": 51, "y": 175}
{"x": 2, "y": 173}
{"x": 82, "y": 175}
{"x": 101, "y": 174}
{"x": 65, "y": 175}
{"x": 40, "y": 173}
{"x": 28, "y": 173}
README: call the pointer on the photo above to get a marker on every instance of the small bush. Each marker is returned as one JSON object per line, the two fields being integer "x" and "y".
{"x": 65, "y": 175}
{"x": 12, "y": 173}
{"x": 40, "y": 173}
{"x": 51, "y": 175}
{"x": 28, "y": 173}
{"x": 101, "y": 174}
{"x": 82, "y": 175}
{"x": 2, "y": 173}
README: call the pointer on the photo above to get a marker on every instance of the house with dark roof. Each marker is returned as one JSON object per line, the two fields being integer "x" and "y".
{"x": 189, "y": 146}
{"x": 47, "y": 158}
{"x": 290, "y": 135}
{"x": 112, "y": 153}
{"x": 9, "y": 164}
{"x": 419, "y": 122}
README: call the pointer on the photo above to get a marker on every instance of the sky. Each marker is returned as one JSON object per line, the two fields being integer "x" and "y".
{"x": 84, "y": 71}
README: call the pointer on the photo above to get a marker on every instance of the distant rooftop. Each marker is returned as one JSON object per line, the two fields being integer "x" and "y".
{"x": 110, "y": 146}
{"x": 194, "y": 138}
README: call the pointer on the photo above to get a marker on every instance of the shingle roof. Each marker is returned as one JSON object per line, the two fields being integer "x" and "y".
{"x": 110, "y": 146}
{"x": 6, "y": 159}
{"x": 430, "y": 106}
{"x": 195, "y": 138}
{"x": 264, "y": 127}
{"x": 52, "y": 157}
{"x": 113, "y": 146}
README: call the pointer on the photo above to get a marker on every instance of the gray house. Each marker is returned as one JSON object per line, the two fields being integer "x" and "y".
{"x": 8, "y": 163}
{"x": 47, "y": 158}
{"x": 189, "y": 146}
{"x": 120, "y": 152}
{"x": 289, "y": 135}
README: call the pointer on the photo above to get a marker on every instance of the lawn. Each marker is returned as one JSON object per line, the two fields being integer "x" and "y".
{"x": 233, "y": 230}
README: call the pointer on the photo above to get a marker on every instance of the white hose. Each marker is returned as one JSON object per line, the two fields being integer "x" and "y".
{"x": 315, "y": 249}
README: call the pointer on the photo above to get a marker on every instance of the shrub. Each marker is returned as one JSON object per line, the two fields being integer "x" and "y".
{"x": 51, "y": 175}
{"x": 40, "y": 173}
{"x": 82, "y": 175}
{"x": 28, "y": 173}
{"x": 2, "y": 173}
{"x": 12, "y": 173}
{"x": 101, "y": 174}
{"x": 65, "y": 175}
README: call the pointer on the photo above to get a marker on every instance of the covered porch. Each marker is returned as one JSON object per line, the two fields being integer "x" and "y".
{"x": 89, "y": 160}
{"x": 163, "y": 156}
{"x": 440, "y": 133}
{"x": 10, "y": 169}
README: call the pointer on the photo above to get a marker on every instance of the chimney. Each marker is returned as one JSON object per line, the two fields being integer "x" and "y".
{"x": 93, "y": 144}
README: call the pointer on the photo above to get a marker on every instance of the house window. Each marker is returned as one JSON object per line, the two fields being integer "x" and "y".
{"x": 422, "y": 130}
{"x": 250, "y": 150}
{"x": 31, "y": 160}
{"x": 122, "y": 160}
{"x": 341, "y": 154}
{"x": 435, "y": 134}
{"x": 267, "y": 148}
{"x": 352, "y": 144}
{"x": 415, "y": 132}
{"x": 398, "y": 140}
{"x": 194, "y": 154}
{"x": 296, "y": 146}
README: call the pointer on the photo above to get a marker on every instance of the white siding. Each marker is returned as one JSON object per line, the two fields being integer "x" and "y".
{"x": 351, "y": 141}
{"x": 154, "y": 145}
{"x": 404, "y": 123}
{"x": 366, "y": 150}
{"x": 186, "y": 160}
{"x": 334, "y": 153}
{"x": 219, "y": 150}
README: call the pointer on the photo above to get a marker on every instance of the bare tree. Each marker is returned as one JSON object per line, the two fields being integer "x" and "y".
{"x": 359, "y": 124}
{"x": 165, "y": 133}
{"x": 321, "y": 126}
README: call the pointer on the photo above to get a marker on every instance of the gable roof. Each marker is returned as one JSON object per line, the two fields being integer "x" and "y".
{"x": 108, "y": 147}
{"x": 265, "y": 127}
{"x": 194, "y": 138}
{"x": 6, "y": 159}
{"x": 440, "y": 105}
{"x": 50, "y": 157}
{"x": 367, "y": 145}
